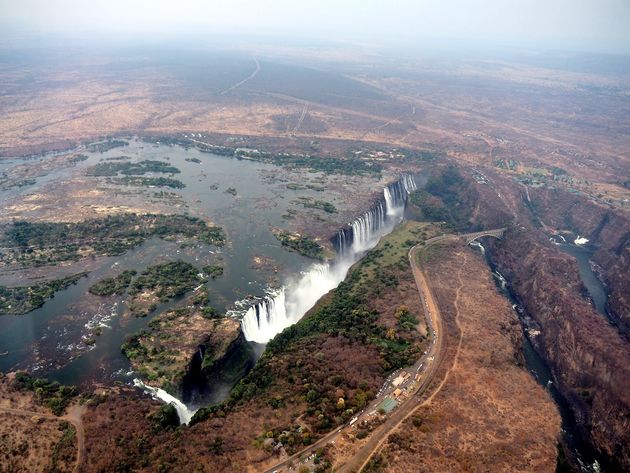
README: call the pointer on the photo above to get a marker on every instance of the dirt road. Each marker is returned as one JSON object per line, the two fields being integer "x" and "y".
{"x": 432, "y": 313}
{"x": 74, "y": 416}
{"x": 431, "y": 361}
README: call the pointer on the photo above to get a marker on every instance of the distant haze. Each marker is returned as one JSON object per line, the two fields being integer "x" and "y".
{"x": 589, "y": 25}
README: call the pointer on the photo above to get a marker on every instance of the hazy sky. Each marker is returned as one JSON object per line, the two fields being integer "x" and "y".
{"x": 595, "y": 25}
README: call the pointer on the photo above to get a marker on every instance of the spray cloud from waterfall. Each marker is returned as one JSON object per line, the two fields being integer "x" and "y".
{"x": 285, "y": 306}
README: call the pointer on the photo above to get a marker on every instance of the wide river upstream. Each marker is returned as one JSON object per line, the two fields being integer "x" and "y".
{"x": 248, "y": 199}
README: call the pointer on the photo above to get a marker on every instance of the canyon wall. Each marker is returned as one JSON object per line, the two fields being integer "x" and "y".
{"x": 589, "y": 359}
{"x": 608, "y": 231}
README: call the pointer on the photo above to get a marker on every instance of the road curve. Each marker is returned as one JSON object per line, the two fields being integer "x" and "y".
{"x": 74, "y": 417}
{"x": 379, "y": 435}
{"x": 248, "y": 78}
{"x": 434, "y": 320}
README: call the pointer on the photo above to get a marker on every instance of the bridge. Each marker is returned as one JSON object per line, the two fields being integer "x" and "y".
{"x": 467, "y": 237}
{"x": 496, "y": 233}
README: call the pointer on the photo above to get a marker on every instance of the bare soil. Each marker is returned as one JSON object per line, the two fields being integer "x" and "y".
{"x": 488, "y": 413}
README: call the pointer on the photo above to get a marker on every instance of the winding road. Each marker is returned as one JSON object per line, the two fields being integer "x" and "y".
{"x": 248, "y": 78}
{"x": 430, "y": 361}
{"x": 433, "y": 359}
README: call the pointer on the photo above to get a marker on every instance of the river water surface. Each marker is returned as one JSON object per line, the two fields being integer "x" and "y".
{"x": 51, "y": 340}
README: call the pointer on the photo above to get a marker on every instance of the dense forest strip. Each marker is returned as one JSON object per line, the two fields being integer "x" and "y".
{"x": 43, "y": 243}
{"x": 23, "y": 299}
{"x": 312, "y": 379}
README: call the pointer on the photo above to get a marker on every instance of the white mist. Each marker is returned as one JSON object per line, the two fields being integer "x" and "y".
{"x": 287, "y": 305}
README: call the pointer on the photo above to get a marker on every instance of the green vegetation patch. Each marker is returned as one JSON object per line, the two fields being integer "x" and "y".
{"x": 111, "y": 286}
{"x": 159, "y": 284}
{"x": 432, "y": 208}
{"x": 315, "y": 187}
{"x": 214, "y": 271}
{"x": 425, "y": 155}
{"x": 23, "y": 299}
{"x": 302, "y": 244}
{"x": 53, "y": 395}
{"x": 104, "y": 146}
{"x": 345, "y": 165}
{"x": 5, "y": 184}
{"x": 166, "y": 418}
{"x": 162, "y": 352}
{"x": 77, "y": 158}
{"x": 147, "y": 182}
{"x": 64, "y": 451}
{"x": 41, "y": 243}
{"x": 318, "y": 204}
{"x": 440, "y": 199}
{"x": 297, "y": 368}
{"x": 131, "y": 169}
{"x": 169, "y": 280}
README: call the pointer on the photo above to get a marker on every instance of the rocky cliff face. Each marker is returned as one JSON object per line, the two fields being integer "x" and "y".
{"x": 608, "y": 230}
{"x": 589, "y": 360}
{"x": 220, "y": 360}
{"x": 452, "y": 195}
{"x": 182, "y": 350}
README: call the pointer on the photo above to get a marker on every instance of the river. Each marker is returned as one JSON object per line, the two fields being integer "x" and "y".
{"x": 51, "y": 341}
{"x": 596, "y": 290}
{"x": 48, "y": 341}
{"x": 572, "y": 439}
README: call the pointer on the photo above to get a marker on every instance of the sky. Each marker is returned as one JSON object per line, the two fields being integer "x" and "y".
{"x": 587, "y": 25}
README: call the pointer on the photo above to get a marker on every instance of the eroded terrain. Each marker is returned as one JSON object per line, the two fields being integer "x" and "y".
{"x": 280, "y": 157}
{"x": 489, "y": 413}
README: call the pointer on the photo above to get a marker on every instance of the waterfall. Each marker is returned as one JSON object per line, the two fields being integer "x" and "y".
{"x": 183, "y": 412}
{"x": 476, "y": 244}
{"x": 365, "y": 231}
{"x": 285, "y": 306}
{"x": 260, "y": 319}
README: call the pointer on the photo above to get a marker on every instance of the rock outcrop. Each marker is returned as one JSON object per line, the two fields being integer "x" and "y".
{"x": 589, "y": 360}
{"x": 608, "y": 231}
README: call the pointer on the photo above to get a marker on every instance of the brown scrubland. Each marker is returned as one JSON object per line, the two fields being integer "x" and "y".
{"x": 489, "y": 414}
{"x": 536, "y": 147}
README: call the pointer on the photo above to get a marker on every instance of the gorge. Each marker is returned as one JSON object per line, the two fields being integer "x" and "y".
{"x": 283, "y": 307}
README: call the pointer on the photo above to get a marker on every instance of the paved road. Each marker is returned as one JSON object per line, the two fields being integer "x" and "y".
{"x": 426, "y": 367}
{"x": 434, "y": 357}
{"x": 74, "y": 417}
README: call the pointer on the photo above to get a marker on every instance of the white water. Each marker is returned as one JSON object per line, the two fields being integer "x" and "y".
{"x": 283, "y": 307}
{"x": 183, "y": 412}
{"x": 260, "y": 319}
{"x": 476, "y": 244}
{"x": 501, "y": 279}
{"x": 580, "y": 240}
